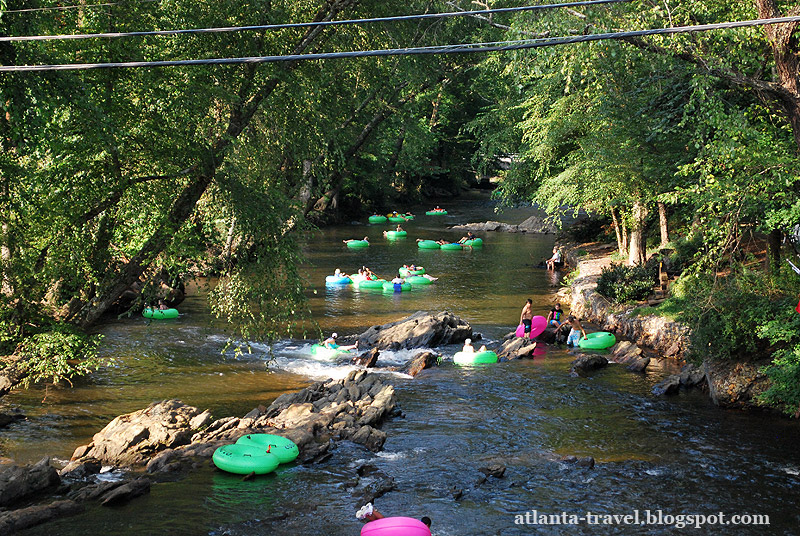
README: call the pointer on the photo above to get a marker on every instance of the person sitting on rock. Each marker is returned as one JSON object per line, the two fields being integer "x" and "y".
{"x": 554, "y": 316}
{"x": 554, "y": 261}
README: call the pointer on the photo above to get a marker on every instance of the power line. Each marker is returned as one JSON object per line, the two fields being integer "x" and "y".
{"x": 306, "y": 24}
{"x": 65, "y": 8}
{"x": 444, "y": 49}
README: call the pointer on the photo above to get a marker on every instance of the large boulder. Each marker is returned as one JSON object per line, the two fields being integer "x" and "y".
{"x": 534, "y": 224}
{"x": 135, "y": 437}
{"x": 585, "y": 363}
{"x": 422, "y": 329}
{"x": 628, "y": 353}
{"x": 516, "y": 348}
{"x": 735, "y": 383}
{"x": 349, "y": 409}
{"x": 20, "y": 482}
{"x": 23, "y": 518}
{"x": 420, "y": 362}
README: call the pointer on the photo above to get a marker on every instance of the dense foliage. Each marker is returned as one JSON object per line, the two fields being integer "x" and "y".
{"x": 115, "y": 181}
{"x": 626, "y": 284}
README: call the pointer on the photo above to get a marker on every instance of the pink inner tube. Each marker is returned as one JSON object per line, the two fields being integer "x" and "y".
{"x": 538, "y": 325}
{"x": 396, "y": 526}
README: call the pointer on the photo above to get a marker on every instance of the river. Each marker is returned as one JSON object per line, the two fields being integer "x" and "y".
{"x": 678, "y": 455}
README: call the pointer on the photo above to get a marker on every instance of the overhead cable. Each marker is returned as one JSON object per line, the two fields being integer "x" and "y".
{"x": 305, "y": 24}
{"x": 65, "y": 8}
{"x": 444, "y": 49}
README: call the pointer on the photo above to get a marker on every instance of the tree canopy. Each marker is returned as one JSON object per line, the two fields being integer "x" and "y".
{"x": 115, "y": 180}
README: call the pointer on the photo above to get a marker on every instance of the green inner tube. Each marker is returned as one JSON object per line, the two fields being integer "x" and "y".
{"x": 324, "y": 352}
{"x": 436, "y": 213}
{"x": 244, "y": 459}
{"x": 285, "y": 449}
{"x": 408, "y": 217}
{"x": 377, "y": 218}
{"x": 472, "y": 358}
{"x": 377, "y": 283}
{"x": 427, "y": 244}
{"x": 452, "y": 247}
{"x": 405, "y": 272}
{"x": 358, "y": 244}
{"x": 394, "y": 235}
{"x": 159, "y": 314}
{"x": 396, "y": 219}
{"x": 475, "y": 242}
{"x": 598, "y": 340}
{"x": 415, "y": 280}
{"x": 389, "y": 287}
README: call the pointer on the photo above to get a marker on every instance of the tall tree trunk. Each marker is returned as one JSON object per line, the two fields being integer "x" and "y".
{"x": 638, "y": 247}
{"x": 662, "y": 223}
{"x": 774, "y": 251}
{"x": 621, "y": 246}
{"x": 783, "y": 42}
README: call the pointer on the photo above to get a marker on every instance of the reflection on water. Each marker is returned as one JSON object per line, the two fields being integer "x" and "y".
{"x": 677, "y": 454}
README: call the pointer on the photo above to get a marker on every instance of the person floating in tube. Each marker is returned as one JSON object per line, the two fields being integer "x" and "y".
{"x": 330, "y": 343}
{"x": 370, "y": 513}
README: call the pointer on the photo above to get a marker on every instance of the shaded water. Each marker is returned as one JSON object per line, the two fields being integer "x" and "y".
{"x": 680, "y": 455}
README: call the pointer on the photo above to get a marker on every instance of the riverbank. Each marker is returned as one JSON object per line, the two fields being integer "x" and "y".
{"x": 731, "y": 384}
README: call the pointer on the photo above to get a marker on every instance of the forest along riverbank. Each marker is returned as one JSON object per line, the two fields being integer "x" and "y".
{"x": 729, "y": 384}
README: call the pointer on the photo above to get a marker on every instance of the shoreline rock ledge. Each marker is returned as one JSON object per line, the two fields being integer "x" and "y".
{"x": 170, "y": 437}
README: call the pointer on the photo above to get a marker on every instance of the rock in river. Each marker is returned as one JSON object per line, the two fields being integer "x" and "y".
{"x": 422, "y": 329}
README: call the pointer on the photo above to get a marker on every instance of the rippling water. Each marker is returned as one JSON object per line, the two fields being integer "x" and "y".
{"x": 679, "y": 455}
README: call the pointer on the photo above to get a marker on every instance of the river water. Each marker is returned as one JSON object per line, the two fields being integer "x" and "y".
{"x": 677, "y": 455}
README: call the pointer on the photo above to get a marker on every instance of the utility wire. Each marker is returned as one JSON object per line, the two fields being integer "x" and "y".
{"x": 307, "y": 24}
{"x": 64, "y": 8}
{"x": 444, "y": 49}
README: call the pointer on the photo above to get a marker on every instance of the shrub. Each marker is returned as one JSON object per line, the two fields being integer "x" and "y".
{"x": 56, "y": 355}
{"x": 625, "y": 284}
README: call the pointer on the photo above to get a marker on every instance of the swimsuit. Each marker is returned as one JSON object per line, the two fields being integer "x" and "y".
{"x": 527, "y": 323}
{"x": 573, "y": 337}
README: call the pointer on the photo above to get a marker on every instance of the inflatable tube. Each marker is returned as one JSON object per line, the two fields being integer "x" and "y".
{"x": 389, "y": 287}
{"x": 337, "y": 280}
{"x": 159, "y": 314}
{"x": 394, "y": 235}
{"x": 358, "y": 244}
{"x": 436, "y": 213}
{"x": 396, "y": 526}
{"x": 417, "y": 280}
{"x": 408, "y": 216}
{"x": 452, "y": 247}
{"x": 405, "y": 272}
{"x": 321, "y": 351}
{"x": 474, "y": 358}
{"x": 598, "y": 340}
{"x": 372, "y": 283}
{"x": 284, "y": 449}
{"x": 475, "y": 242}
{"x": 538, "y": 325}
{"x": 377, "y": 218}
{"x": 244, "y": 459}
{"x": 397, "y": 219}
{"x": 427, "y": 244}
